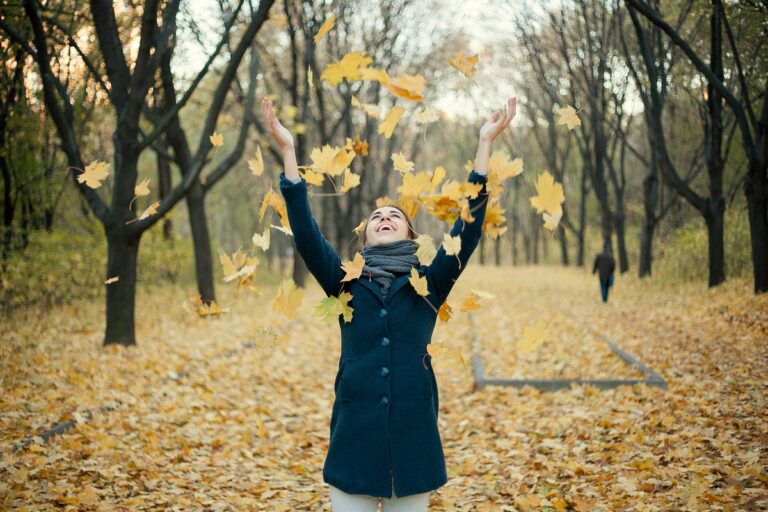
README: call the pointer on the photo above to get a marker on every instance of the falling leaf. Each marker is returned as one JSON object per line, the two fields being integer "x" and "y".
{"x": 331, "y": 307}
{"x": 261, "y": 241}
{"x": 325, "y": 28}
{"x": 465, "y": 64}
{"x": 568, "y": 117}
{"x": 551, "y": 221}
{"x": 419, "y": 283}
{"x": 426, "y": 251}
{"x": 353, "y": 268}
{"x": 409, "y": 87}
{"x": 348, "y": 67}
{"x": 331, "y": 160}
{"x": 256, "y": 164}
{"x": 217, "y": 139}
{"x": 312, "y": 177}
{"x": 390, "y": 121}
{"x": 273, "y": 199}
{"x": 415, "y": 184}
{"x": 451, "y": 244}
{"x": 310, "y": 82}
{"x": 288, "y": 299}
{"x": 401, "y": 163}
{"x": 469, "y": 302}
{"x": 360, "y": 147}
{"x": 483, "y": 295}
{"x": 94, "y": 173}
{"x": 112, "y": 280}
{"x": 549, "y": 194}
{"x": 142, "y": 189}
{"x": 500, "y": 165}
{"x": 285, "y": 230}
{"x": 425, "y": 115}
{"x": 351, "y": 180}
{"x": 151, "y": 210}
{"x": 445, "y": 312}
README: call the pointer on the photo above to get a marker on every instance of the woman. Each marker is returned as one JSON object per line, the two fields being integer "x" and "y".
{"x": 384, "y": 438}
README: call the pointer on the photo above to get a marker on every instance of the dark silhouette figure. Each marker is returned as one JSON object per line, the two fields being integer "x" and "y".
{"x": 604, "y": 266}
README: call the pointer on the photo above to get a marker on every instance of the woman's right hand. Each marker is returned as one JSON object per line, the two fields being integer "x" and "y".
{"x": 280, "y": 133}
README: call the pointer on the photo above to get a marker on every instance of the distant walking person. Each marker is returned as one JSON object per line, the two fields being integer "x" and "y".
{"x": 605, "y": 265}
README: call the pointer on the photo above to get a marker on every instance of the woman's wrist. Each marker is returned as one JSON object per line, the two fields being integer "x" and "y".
{"x": 483, "y": 156}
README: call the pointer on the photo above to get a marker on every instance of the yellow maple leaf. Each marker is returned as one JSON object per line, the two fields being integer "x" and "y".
{"x": 361, "y": 227}
{"x": 353, "y": 268}
{"x": 285, "y": 230}
{"x": 312, "y": 177}
{"x": 351, "y": 180}
{"x": 569, "y": 117}
{"x": 549, "y": 194}
{"x": 310, "y": 82}
{"x": 469, "y": 302}
{"x": 360, "y": 147}
{"x": 142, "y": 189}
{"x": 256, "y": 165}
{"x": 419, "y": 283}
{"x": 217, "y": 139}
{"x": 390, "y": 121}
{"x": 426, "y": 251}
{"x": 331, "y": 160}
{"x": 112, "y": 280}
{"x": 500, "y": 165}
{"x": 408, "y": 87}
{"x": 551, "y": 221}
{"x": 401, "y": 163}
{"x": 415, "y": 184}
{"x": 437, "y": 176}
{"x": 451, "y": 244}
{"x": 465, "y": 64}
{"x": 151, "y": 210}
{"x": 348, "y": 67}
{"x": 288, "y": 299}
{"x": 273, "y": 199}
{"x": 375, "y": 74}
{"x": 261, "y": 241}
{"x": 445, "y": 312}
{"x": 325, "y": 28}
{"x": 434, "y": 348}
{"x": 331, "y": 307}
{"x": 94, "y": 173}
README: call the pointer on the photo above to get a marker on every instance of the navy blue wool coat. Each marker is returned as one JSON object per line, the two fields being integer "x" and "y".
{"x": 384, "y": 431}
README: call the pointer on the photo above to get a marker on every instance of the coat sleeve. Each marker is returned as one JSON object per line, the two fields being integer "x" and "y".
{"x": 444, "y": 270}
{"x": 320, "y": 257}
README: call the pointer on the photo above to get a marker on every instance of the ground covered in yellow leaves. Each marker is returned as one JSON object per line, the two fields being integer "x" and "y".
{"x": 232, "y": 413}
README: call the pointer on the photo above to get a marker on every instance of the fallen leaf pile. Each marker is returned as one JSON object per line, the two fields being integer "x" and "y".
{"x": 231, "y": 412}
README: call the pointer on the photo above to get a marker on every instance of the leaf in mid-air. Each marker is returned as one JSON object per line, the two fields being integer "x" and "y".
{"x": 533, "y": 336}
{"x": 445, "y": 312}
{"x": 348, "y": 67}
{"x": 360, "y": 227}
{"x": 256, "y": 164}
{"x": 112, "y": 280}
{"x": 142, "y": 189}
{"x": 568, "y": 117}
{"x": 325, "y": 28}
{"x": 151, "y": 210}
{"x": 451, "y": 244}
{"x": 390, "y": 121}
{"x": 552, "y": 220}
{"x": 261, "y": 241}
{"x": 353, "y": 268}
{"x": 469, "y": 302}
{"x": 425, "y": 115}
{"x": 419, "y": 283}
{"x": 331, "y": 307}
{"x": 217, "y": 140}
{"x": 94, "y": 173}
{"x": 401, "y": 163}
{"x": 549, "y": 194}
{"x": 426, "y": 251}
{"x": 351, "y": 180}
{"x": 288, "y": 299}
{"x": 465, "y": 64}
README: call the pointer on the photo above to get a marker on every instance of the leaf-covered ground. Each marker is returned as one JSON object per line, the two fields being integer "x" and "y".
{"x": 232, "y": 413}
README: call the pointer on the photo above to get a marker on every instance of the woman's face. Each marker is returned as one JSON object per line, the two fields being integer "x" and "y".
{"x": 386, "y": 224}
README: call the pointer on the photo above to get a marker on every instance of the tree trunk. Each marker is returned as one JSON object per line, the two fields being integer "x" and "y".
{"x": 650, "y": 199}
{"x": 122, "y": 259}
{"x": 757, "y": 205}
{"x": 563, "y": 246}
{"x": 202, "y": 242}
{"x": 621, "y": 241}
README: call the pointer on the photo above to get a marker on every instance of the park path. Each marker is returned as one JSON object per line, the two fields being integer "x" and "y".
{"x": 232, "y": 413}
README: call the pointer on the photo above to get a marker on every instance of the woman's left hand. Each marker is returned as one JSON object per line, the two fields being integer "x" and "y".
{"x": 499, "y": 121}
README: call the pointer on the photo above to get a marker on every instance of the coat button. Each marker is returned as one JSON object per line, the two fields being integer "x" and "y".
{"x": 382, "y": 312}
{"x": 384, "y": 400}
{"x": 384, "y": 341}
{"x": 384, "y": 371}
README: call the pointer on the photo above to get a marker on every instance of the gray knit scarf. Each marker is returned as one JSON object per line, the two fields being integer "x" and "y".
{"x": 383, "y": 261}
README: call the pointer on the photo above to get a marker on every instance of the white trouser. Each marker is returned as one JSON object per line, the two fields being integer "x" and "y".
{"x": 344, "y": 502}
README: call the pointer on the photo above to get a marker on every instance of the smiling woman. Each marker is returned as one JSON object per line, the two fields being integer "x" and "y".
{"x": 384, "y": 436}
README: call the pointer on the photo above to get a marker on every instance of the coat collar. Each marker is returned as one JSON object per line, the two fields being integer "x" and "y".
{"x": 372, "y": 286}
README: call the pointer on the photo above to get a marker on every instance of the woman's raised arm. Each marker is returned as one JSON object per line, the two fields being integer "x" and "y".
{"x": 320, "y": 257}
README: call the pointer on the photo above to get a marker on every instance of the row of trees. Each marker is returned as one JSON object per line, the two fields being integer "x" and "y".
{"x": 68, "y": 67}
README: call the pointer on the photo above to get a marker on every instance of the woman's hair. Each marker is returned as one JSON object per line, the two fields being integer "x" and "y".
{"x": 411, "y": 232}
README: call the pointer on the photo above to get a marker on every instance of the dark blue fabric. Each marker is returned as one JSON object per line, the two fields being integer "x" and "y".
{"x": 383, "y": 424}
{"x": 604, "y": 285}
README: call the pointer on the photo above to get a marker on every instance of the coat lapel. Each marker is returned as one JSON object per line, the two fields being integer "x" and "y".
{"x": 375, "y": 289}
